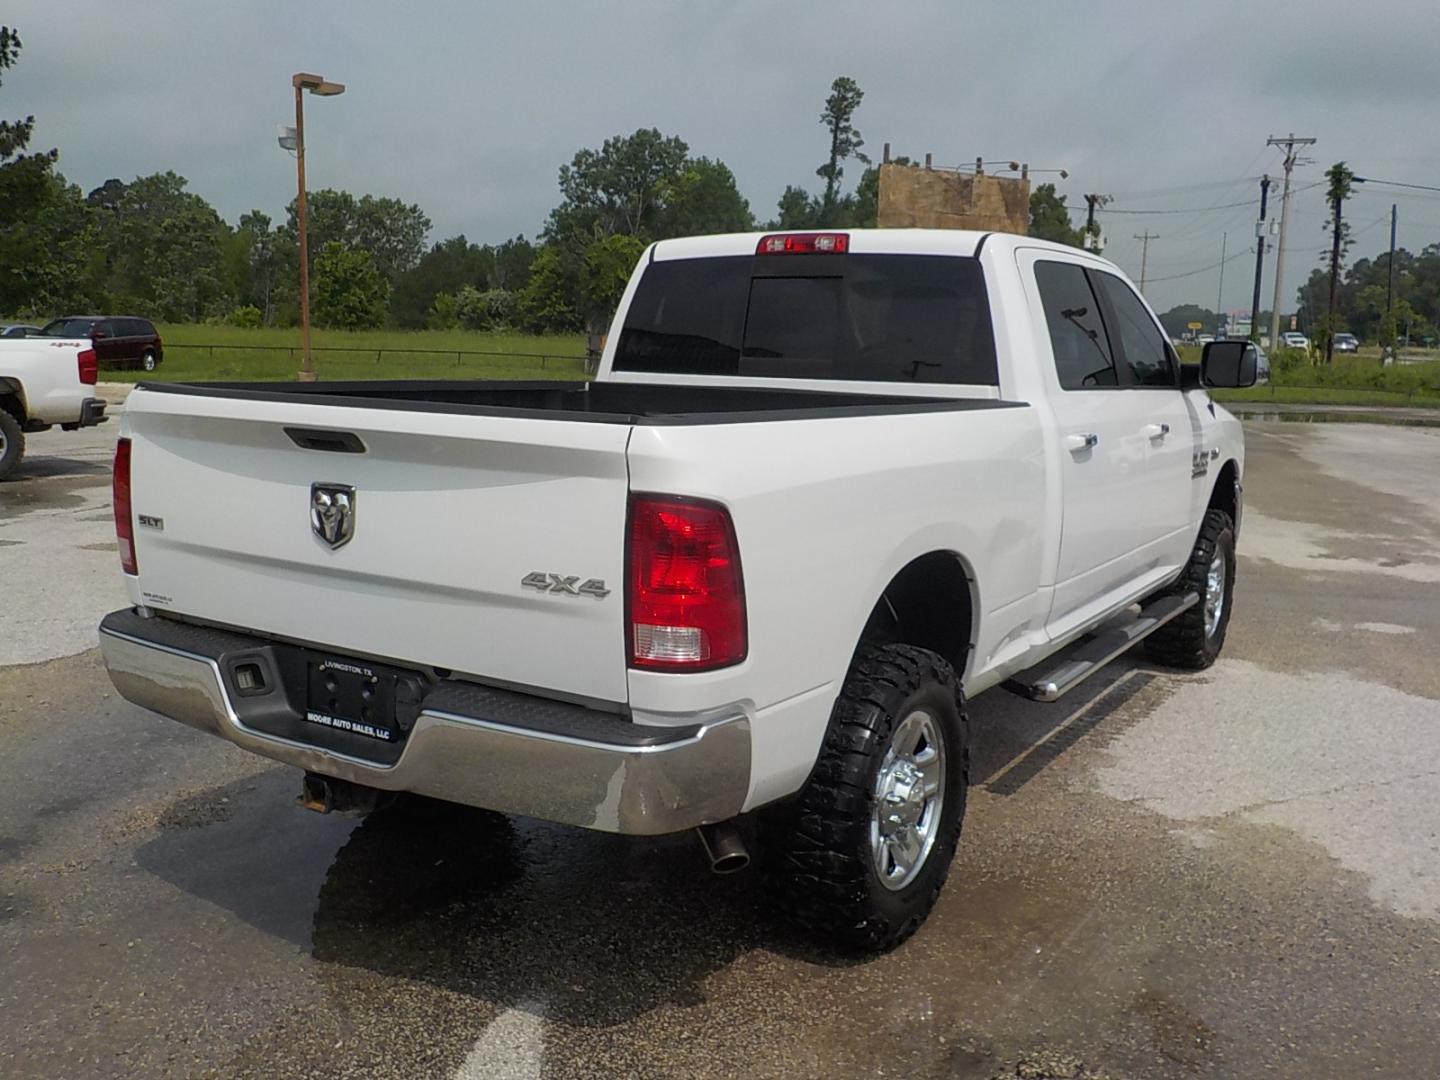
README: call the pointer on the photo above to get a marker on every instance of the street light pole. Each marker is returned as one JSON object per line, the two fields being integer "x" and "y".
{"x": 316, "y": 85}
{"x": 307, "y": 364}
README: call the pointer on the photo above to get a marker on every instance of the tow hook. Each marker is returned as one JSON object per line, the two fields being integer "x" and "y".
{"x": 325, "y": 794}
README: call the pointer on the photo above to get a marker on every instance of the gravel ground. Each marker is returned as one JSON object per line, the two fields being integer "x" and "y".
{"x": 1233, "y": 874}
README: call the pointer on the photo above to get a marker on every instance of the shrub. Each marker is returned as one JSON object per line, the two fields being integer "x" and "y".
{"x": 247, "y": 316}
{"x": 1283, "y": 361}
{"x": 442, "y": 314}
{"x": 349, "y": 292}
{"x": 493, "y": 309}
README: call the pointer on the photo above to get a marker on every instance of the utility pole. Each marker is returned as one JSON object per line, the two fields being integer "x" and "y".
{"x": 1290, "y": 142}
{"x": 1145, "y": 239}
{"x": 1390, "y": 283}
{"x": 1259, "y": 260}
{"x": 1220, "y": 323}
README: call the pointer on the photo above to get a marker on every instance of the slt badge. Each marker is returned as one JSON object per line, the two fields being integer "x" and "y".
{"x": 332, "y": 513}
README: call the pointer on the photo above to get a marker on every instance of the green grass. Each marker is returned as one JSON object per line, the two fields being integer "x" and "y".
{"x": 1350, "y": 380}
{"x": 200, "y": 352}
{"x": 1327, "y": 395}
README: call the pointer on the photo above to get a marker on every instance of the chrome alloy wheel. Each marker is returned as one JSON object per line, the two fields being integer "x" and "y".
{"x": 1214, "y": 593}
{"x": 909, "y": 796}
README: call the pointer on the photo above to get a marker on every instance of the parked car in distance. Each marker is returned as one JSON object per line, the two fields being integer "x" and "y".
{"x": 1293, "y": 339}
{"x": 1262, "y": 364}
{"x": 121, "y": 341}
{"x": 18, "y": 329}
{"x": 1347, "y": 343}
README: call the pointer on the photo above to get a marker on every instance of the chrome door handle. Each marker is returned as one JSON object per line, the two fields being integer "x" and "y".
{"x": 1081, "y": 442}
{"x": 1157, "y": 431}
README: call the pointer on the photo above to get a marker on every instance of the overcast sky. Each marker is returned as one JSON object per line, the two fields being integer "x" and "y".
{"x": 469, "y": 108}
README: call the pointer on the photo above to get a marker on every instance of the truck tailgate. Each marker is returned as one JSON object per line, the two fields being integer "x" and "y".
{"x": 449, "y": 512}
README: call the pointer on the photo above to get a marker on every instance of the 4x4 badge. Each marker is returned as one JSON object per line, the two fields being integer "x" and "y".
{"x": 332, "y": 513}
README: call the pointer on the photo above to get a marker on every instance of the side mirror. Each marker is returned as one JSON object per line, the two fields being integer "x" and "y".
{"x": 97, "y": 335}
{"x": 1229, "y": 364}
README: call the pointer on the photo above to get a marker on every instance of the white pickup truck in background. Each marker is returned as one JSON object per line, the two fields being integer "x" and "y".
{"x": 43, "y": 382}
{"x": 824, "y": 487}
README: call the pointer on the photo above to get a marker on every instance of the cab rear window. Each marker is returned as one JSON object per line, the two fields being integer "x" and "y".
{"x": 874, "y": 318}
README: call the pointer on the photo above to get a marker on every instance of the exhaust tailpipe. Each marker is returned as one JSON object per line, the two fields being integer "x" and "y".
{"x": 724, "y": 847}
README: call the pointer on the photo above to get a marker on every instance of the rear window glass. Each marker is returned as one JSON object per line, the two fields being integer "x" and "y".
{"x": 881, "y": 318}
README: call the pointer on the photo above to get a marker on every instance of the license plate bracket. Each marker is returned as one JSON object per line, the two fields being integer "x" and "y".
{"x": 352, "y": 696}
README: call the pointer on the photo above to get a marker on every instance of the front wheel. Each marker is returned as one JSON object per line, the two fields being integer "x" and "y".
{"x": 12, "y": 444}
{"x": 147, "y": 362}
{"x": 860, "y": 855}
{"x": 1193, "y": 640}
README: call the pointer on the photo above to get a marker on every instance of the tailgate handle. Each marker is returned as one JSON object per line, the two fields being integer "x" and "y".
{"x": 333, "y": 442}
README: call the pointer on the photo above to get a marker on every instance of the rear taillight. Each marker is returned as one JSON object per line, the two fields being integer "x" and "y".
{"x": 804, "y": 244}
{"x": 88, "y": 365}
{"x": 685, "y": 597}
{"x": 124, "y": 519}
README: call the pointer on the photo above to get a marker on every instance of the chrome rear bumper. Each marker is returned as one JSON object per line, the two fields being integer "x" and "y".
{"x": 643, "y": 781}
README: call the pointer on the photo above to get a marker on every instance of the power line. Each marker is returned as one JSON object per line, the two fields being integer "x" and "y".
{"x": 1206, "y": 209}
{"x": 1394, "y": 183}
{"x": 1204, "y": 269}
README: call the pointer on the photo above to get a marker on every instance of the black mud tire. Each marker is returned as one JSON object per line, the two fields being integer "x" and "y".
{"x": 815, "y": 848}
{"x": 1183, "y": 642}
{"x": 12, "y": 444}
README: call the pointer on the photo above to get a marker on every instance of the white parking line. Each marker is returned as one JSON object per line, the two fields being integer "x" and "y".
{"x": 512, "y": 1047}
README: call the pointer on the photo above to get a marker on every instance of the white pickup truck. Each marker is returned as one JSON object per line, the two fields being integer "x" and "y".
{"x": 43, "y": 382}
{"x": 823, "y": 488}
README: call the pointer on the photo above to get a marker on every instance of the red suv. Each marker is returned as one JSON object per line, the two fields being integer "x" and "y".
{"x": 120, "y": 341}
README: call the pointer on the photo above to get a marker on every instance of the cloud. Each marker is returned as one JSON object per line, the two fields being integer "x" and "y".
{"x": 470, "y": 109}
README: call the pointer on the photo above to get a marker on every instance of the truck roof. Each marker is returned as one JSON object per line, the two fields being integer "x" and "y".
{"x": 862, "y": 241}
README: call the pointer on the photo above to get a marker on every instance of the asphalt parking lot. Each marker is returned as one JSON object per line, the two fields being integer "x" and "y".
{"x": 1233, "y": 874}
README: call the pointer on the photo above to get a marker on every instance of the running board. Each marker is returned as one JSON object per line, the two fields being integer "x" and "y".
{"x": 1055, "y": 676}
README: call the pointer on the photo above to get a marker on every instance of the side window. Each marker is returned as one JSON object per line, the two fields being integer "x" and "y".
{"x": 1142, "y": 347}
{"x": 1077, "y": 330}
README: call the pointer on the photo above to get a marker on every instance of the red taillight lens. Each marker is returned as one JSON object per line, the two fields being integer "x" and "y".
{"x": 124, "y": 520}
{"x": 804, "y": 243}
{"x": 684, "y": 592}
{"x": 89, "y": 366}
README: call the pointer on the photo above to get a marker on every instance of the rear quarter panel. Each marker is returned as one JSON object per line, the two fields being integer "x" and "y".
{"x": 826, "y": 512}
{"x": 48, "y": 374}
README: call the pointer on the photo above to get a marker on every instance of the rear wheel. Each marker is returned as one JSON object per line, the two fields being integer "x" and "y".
{"x": 860, "y": 855}
{"x": 1193, "y": 640}
{"x": 12, "y": 444}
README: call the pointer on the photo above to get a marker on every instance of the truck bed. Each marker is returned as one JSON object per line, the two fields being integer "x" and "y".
{"x": 597, "y": 402}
